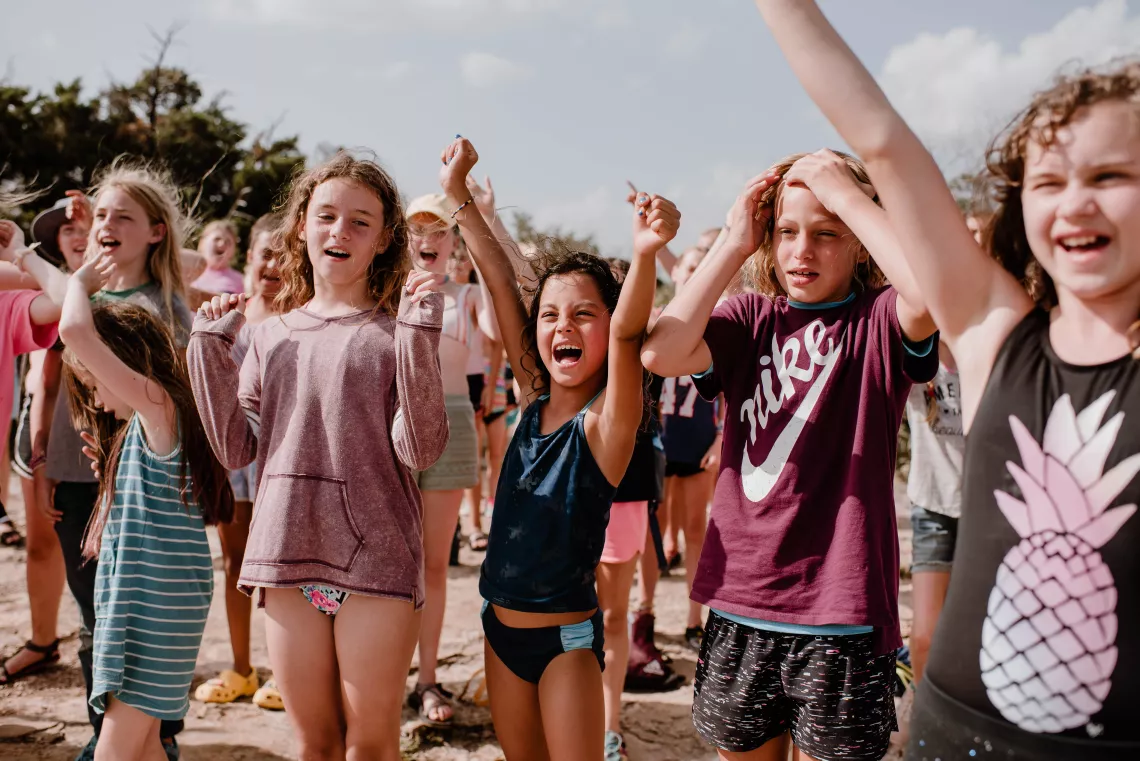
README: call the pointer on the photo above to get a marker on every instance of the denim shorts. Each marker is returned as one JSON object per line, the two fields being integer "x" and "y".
{"x": 935, "y": 536}
{"x": 244, "y": 483}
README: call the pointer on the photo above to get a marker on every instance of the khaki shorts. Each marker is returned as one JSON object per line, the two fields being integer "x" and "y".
{"x": 458, "y": 466}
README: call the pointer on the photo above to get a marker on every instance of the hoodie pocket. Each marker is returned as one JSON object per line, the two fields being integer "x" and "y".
{"x": 303, "y": 519}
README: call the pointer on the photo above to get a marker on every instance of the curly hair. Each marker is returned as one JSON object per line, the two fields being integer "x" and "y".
{"x": 1049, "y": 112}
{"x": 761, "y": 267}
{"x": 145, "y": 344}
{"x": 389, "y": 267}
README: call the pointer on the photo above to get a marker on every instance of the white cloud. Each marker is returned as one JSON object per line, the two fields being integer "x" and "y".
{"x": 958, "y": 89}
{"x": 488, "y": 70}
{"x": 687, "y": 40}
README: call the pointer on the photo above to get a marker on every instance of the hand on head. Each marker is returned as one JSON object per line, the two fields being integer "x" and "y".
{"x": 655, "y": 223}
{"x": 827, "y": 175}
{"x": 218, "y": 306}
{"x": 748, "y": 218}
{"x": 95, "y": 272}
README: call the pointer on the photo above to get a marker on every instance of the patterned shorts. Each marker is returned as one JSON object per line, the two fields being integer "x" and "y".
{"x": 325, "y": 599}
{"x": 831, "y": 692}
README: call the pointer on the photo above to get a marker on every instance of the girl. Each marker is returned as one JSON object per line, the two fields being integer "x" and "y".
{"x": 62, "y": 242}
{"x": 242, "y": 680}
{"x": 155, "y": 577}
{"x": 800, "y": 564}
{"x": 1035, "y": 654}
{"x": 338, "y": 399}
{"x": 934, "y": 489}
{"x": 137, "y": 223}
{"x": 433, "y": 240}
{"x": 217, "y": 247}
{"x": 581, "y": 380}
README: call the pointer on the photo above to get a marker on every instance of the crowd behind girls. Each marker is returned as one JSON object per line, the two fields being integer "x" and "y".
{"x": 745, "y": 432}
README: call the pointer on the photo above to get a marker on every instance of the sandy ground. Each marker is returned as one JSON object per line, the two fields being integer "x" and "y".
{"x": 655, "y": 726}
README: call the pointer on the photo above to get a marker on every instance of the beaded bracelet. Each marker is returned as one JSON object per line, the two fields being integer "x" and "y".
{"x": 463, "y": 206}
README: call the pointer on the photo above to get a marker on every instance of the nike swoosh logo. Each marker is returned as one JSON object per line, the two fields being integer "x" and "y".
{"x": 758, "y": 481}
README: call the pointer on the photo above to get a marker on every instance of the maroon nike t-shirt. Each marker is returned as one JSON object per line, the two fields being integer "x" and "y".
{"x": 802, "y": 529}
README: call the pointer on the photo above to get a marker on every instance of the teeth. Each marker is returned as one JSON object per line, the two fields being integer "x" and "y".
{"x": 1086, "y": 240}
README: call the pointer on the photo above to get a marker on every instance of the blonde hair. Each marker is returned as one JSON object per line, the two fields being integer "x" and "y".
{"x": 225, "y": 226}
{"x": 154, "y": 190}
{"x": 389, "y": 267}
{"x": 761, "y": 267}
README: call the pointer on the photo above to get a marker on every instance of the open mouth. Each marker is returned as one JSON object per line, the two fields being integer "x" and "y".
{"x": 338, "y": 253}
{"x": 802, "y": 276}
{"x": 1079, "y": 244}
{"x": 108, "y": 244}
{"x": 429, "y": 257}
{"x": 567, "y": 355}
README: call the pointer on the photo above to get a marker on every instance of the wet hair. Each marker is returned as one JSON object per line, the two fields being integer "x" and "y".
{"x": 553, "y": 258}
{"x": 761, "y": 267}
{"x": 1047, "y": 113}
{"x": 389, "y": 267}
{"x": 154, "y": 190}
{"x": 145, "y": 344}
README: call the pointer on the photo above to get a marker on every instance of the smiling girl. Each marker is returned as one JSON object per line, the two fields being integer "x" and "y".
{"x": 217, "y": 247}
{"x": 1035, "y": 654}
{"x": 338, "y": 400}
{"x": 800, "y": 562}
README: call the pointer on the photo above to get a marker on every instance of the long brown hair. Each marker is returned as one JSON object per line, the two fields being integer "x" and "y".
{"x": 1050, "y": 111}
{"x": 154, "y": 189}
{"x": 389, "y": 268}
{"x": 145, "y": 344}
{"x": 761, "y": 267}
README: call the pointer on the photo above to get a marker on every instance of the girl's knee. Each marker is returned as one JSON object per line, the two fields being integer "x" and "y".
{"x": 44, "y": 549}
{"x": 323, "y": 746}
{"x": 614, "y": 621}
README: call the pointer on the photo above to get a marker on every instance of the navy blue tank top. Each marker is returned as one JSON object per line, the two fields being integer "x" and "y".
{"x": 552, "y": 507}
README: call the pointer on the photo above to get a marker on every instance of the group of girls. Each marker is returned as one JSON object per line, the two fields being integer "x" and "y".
{"x": 853, "y": 264}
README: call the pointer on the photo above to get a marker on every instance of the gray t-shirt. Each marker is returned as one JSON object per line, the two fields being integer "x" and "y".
{"x": 65, "y": 458}
{"x": 936, "y": 449}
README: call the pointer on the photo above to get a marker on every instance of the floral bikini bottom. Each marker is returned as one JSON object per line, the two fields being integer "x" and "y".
{"x": 327, "y": 600}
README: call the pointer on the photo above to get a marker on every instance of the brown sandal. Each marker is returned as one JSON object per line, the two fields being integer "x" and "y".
{"x": 425, "y": 698}
{"x": 50, "y": 658}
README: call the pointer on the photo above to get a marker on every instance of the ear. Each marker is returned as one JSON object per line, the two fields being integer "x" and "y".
{"x": 157, "y": 233}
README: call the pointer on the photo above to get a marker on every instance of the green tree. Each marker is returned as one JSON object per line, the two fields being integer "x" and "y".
{"x": 527, "y": 232}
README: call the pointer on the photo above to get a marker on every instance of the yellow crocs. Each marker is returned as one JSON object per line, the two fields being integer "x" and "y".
{"x": 227, "y": 687}
{"x": 268, "y": 697}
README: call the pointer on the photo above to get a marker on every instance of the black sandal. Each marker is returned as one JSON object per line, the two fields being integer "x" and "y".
{"x": 50, "y": 658}
{"x": 11, "y": 537}
{"x": 427, "y": 697}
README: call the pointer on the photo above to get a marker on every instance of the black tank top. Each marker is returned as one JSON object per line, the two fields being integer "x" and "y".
{"x": 548, "y": 529}
{"x": 1040, "y": 636}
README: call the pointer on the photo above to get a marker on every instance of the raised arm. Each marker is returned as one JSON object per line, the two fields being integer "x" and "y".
{"x": 666, "y": 257}
{"x": 77, "y": 329}
{"x": 613, "y": 435}
{"x": 491, "y": 259}
{"x": 419, "y": 429}
{"x": 228, "y": 397}
{"x": 676, "y": 344}
{"x": 484, "y": 198}
{"x": 962, "y": 286}
{"x": 830, "y": 179}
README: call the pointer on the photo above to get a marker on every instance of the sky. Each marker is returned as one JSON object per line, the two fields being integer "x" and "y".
{"x": 566, "y": 100}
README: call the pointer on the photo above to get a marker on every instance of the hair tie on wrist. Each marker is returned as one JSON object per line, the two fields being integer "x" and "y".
{"x": 462, "y": 206}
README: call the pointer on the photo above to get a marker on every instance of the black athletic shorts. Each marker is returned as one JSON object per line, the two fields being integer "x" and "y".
{"x": 831, "y": 692}
{"x": 682, "y": 469}
{"x": 475, "y": 383}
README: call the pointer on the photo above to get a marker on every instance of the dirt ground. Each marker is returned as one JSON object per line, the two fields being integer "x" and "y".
{"x": 655, "y": 726}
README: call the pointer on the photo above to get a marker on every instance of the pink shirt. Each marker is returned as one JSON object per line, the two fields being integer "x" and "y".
{"x": 220, "y": 281}
{"x": 20, "y": 337}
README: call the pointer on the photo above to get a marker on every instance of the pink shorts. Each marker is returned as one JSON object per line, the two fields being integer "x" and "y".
{"x": 625, "y": 536}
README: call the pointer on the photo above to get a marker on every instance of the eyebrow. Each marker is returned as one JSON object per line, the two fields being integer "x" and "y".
{"x": 364, "y": 212}
{"x": 586, "y": 303}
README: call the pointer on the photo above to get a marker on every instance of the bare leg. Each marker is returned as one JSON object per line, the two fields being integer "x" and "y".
{"x": 615, "y": 581}
{"x": 775, "y": 749}
{"x": 475, "y": 493}
{"x": 303, "y": 655}
{"x": 648, "y": 575}
{"x": 694, "y": 493}
{"x": 441, "y": 511}
{"x": 375, "y": 638}
{"x": 128, "y": 734}
{"x": 239, "y": 606}
{"x": 667, "y": 518}
{"x": 46, "y": 576}
{"x": 929, "y": 597}
{"x": 496, "y": 450}
{"x": 573, "y": 718}
{"x": 514, "y": 711}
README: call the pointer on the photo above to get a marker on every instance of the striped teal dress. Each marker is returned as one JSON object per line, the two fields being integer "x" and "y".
{"x": 153, "y": 588}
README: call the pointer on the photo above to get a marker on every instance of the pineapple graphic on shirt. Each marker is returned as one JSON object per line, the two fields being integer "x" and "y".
{"x": 1049, "y": 637}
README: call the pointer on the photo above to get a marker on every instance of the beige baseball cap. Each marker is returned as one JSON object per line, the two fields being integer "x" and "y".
{"x": 434, "y": 204}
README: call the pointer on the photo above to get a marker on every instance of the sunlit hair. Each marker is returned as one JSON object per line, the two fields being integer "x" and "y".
{"x": 219, "y": 225}
{"x": 145, "y": 344}
{"x": 15, "y": 196}
{"x": 1047, "y": 113}
{"x": 154, "y": 190}
{"x": 761, "y": 267}
{"x": 389, "y": 267}
{"x": 552, "y": 258}
{"x": 266, "y": 223}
